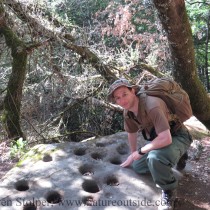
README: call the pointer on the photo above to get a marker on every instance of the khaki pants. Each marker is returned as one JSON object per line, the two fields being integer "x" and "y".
{"x": 160, "y": 162}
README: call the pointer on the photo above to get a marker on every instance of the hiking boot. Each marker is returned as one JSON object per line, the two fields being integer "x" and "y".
{"x": 167, "y": 200}
{"x": 182, "y": 162}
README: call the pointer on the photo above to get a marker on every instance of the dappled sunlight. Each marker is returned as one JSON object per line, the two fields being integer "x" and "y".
{"x": 79, "y": 176}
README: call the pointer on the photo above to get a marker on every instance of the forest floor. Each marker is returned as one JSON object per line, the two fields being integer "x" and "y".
{"x": 194, "y": 187}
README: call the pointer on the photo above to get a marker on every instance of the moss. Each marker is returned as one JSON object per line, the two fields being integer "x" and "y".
{"x": 12, "y": 100}
{"x": 33, "y": 159}
{"x": 35, "y": 154}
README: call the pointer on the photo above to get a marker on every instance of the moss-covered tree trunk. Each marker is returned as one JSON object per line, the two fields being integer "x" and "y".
{"x": 12, "y": 101}
{"x": 175, "y": 22}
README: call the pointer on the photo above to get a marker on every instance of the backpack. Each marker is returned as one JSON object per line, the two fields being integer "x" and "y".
{"x": 176, "y": 99}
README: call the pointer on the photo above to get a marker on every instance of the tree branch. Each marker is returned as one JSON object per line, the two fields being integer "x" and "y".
{"x": 31, "y": 47}
{"x": 48, "y": 29}
{"x": 40, "y": 25}
{"x": 74, "y": 132}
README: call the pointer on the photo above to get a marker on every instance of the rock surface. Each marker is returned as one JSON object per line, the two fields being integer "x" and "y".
{"x": 78, "y": 176}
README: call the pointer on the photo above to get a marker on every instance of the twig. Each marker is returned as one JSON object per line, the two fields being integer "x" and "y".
{"x": 34, "y": 129}
{"x": 70, "y": 133}
{"x": 59, "y": 115}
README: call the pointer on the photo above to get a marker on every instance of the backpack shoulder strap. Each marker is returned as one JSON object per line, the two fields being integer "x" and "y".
{"x": 142, "y": 101}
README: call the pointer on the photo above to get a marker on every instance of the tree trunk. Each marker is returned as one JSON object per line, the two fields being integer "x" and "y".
{"x": 207, "y": 54}
{"x": 175, "y": 22}
{"x": 12, "y": 100}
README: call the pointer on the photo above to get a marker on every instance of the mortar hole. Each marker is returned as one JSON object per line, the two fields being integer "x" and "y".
{"x": 53, "y": 197}
{"x": 123, "y": 149}
{"x": 88, "y": 200}
{"x": 112, "y": 180}
{"x": 108, "y": 195}
{"x": 79, "y": 151}
{"x": 47, "y": 158}
{"x": 115, "y": 161}
{"x": 29, "y": 206}
{"x": 86, "y": 170}
{"x": 97, "y": 156}
{"x": 90, "y": 186}
{"x": 99, "y": 144}
{"x": 22, "y": 185}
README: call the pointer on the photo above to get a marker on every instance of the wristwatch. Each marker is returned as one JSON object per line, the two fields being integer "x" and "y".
{"x": 140, "y": 153}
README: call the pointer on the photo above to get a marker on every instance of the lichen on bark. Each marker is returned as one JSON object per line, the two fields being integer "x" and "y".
{"x": 12, "y": 100}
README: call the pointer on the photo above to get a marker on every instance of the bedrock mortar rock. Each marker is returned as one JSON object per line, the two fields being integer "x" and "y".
{"x": 78, "y": 176}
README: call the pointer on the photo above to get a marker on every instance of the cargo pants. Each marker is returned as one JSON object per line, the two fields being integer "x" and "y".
{"x": 159, "y": 162}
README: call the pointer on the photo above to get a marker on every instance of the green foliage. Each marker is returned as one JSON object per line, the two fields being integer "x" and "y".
{"x": 122, "y": 33}
{"x": 143, "y": 19}
{"x": 78, "y": 12}
{"x": 112, "y": 41}
{"x": 134, "y": 34}
{"x": 18, "y": 148}
{"x": 199, "y": 15}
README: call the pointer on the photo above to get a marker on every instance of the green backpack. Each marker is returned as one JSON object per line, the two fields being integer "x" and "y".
{"x": 176, "y": 99}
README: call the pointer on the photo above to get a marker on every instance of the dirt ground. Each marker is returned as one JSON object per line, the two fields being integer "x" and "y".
{"x": 194, "y": 188}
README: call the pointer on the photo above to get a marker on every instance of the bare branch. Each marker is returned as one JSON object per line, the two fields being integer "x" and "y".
{"x": 41, "y": 25}
{"x": 31, "y": 47}
{"x": 48, "y": 29}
